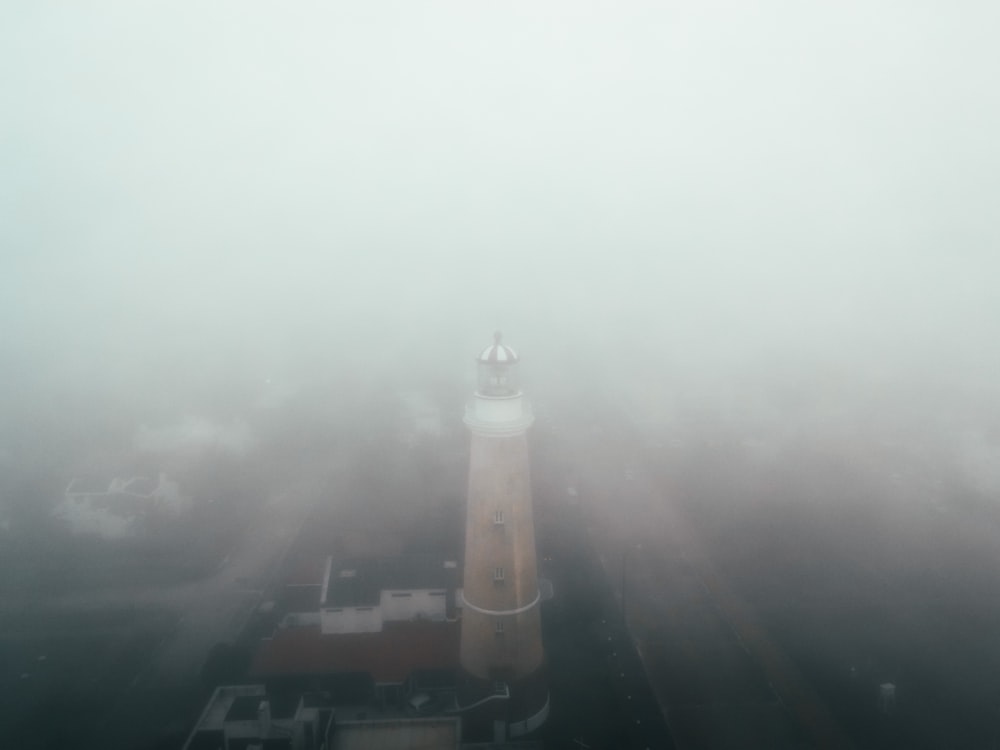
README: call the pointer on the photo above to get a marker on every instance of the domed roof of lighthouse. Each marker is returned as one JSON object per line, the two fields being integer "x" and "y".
{"x": 497, "y": 353}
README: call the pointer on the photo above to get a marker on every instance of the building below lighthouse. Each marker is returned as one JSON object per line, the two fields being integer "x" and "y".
{"x": 432, "y": 648}
{"x": 502, "y": 687}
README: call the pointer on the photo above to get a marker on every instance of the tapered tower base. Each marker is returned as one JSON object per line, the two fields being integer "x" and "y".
{"x": 497, "y": 711}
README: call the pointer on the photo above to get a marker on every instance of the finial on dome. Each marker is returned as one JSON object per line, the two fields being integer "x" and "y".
{"x": 497, "y": 336}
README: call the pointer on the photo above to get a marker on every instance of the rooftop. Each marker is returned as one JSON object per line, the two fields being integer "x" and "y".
{"x": 403, "y": 734}
{"x": 389, "y": 656}
{"x": 306, "y": 569}
{"x": 217, "y": 711}
{"x": 300, "y": 598}
{"x": 358, "y": 583}
{"x": 245, "y": 707}
{"x": 256, "y": 743}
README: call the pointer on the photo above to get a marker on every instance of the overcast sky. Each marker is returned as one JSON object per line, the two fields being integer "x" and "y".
{"x": 253, "y": 184}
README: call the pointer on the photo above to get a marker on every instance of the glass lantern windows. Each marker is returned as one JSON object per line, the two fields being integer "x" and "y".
{"x": 498, "y": 379}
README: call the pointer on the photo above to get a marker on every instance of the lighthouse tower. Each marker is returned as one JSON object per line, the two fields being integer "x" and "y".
{"x": 503, "y": 688}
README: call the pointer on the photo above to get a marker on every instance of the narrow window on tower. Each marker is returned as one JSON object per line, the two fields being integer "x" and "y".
{"x": 498, "y": 574}
{"x": 498, "y": 627}
{"x": 498, "y": 518}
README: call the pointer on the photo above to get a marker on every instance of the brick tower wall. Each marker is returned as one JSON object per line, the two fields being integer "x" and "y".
{"x": 499, "y": 481}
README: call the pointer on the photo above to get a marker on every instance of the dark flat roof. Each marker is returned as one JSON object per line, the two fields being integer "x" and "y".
{"x": 389, "y": 656}
{"x": 244, "y": 707}
{"x": 358, "y": 583}
{"x": 300, "y": 598}
{"x": 271, "y": 743}
{"x": 305, "y": 569}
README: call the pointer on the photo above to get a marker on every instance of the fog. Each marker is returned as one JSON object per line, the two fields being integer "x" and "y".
{"x": 703, "y": 181}
{"x": 726, "y": 195}
{"x": 228, "y": 227}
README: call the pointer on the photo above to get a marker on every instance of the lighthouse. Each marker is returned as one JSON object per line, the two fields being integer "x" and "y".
{"x": 503, "y": 689}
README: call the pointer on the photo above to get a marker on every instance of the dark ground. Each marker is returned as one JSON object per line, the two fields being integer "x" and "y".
{"x": 862, "y": 582}
{"x": 856, "y": 574}
{"x": 62, "y": 677}
{"x": 600, "y": 695}
{"x": 848, "y": 569}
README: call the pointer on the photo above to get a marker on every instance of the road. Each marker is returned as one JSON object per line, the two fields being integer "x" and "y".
{"x": 601, "y": 697}
{"x": 720, "y": 679}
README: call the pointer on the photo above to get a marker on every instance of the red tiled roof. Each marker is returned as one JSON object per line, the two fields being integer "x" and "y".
{"x": 390, "y": 656}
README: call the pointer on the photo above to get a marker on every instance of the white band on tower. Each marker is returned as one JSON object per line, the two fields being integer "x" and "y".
{"x": 519, "y": 610}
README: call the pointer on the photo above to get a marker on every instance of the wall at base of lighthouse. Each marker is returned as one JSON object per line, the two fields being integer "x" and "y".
{"x": 522, "y": 707}
{"x": 501, "y": 621}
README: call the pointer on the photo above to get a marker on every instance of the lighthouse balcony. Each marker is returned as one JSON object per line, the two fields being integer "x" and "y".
{"x": 498, "y": 417}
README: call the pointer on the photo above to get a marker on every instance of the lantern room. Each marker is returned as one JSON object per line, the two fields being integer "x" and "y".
{"x": 498, "y": 370}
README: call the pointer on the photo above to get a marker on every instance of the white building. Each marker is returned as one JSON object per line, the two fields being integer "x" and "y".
{"x": 359, "y": 596}
{"x": 121, "y": 508}
{"x": 242, "y": 716}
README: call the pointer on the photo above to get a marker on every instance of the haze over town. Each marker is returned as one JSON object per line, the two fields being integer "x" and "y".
{"x": 755, "y": 237}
